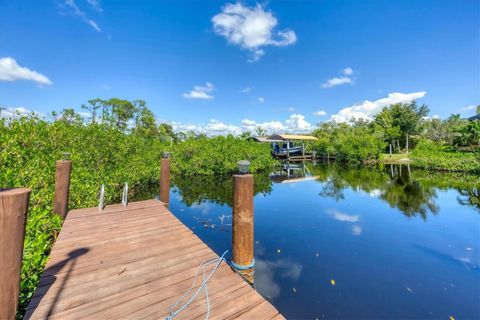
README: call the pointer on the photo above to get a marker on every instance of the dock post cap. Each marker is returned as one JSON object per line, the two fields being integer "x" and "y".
{"x": 66, "y": 156}
{"x": 166, "y": 155}
{"x": 243, "y": 166}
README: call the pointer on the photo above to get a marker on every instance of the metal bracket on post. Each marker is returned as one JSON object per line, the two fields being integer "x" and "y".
{"x": 125, "y": 195}
{"x": 102, "y": 197}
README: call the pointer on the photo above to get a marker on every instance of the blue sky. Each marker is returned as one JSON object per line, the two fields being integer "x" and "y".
{"x": 284, "y": 65}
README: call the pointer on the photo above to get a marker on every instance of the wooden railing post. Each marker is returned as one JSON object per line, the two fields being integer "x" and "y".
{"x": 13, "y": 215}
{"x": 165, "y": 179}
{"x": 62, "y": 186}
{"x": 242, "y": 222}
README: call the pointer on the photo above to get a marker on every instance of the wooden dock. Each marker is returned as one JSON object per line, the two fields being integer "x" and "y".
{"x": 134, "y": 262}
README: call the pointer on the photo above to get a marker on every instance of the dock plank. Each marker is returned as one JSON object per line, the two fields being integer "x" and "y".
{"x": 134, "y": 262}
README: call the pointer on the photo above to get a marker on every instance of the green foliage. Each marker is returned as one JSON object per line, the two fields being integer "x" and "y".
{"x": 101, "y": 154}
{"x": 430, "y": 155}
{"x": 219, "y": 155}
{"x": 355, "y": 143}
{"x": 28, "y": 150}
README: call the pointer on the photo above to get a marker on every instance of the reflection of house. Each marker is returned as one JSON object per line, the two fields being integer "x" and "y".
{"x": 289, "y": 146}
{"x": 291, "y": 173}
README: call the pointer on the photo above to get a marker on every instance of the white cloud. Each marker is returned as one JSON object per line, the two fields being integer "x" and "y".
{"x": 261, "y": 99}
{"x": 95, "y": 5}
{"x": 94, "y": 25}
{"x": 348, "y": 71}
{"x": 320, "y": 113}
{"x": 11, "y": 71}
{"x": 251, "y": 28}
{"x": 200, "y": 92}
{"x": 18, "y": 112}
{"x": 468, "y": 108}
{"x": 291, "y": 109}
{"x": 367, "y": 109}
{"x": 295, "y": 123}
{"x": 246, "y": 90}
{"x": 337, "y": 82}
{"x": 357, "y": 230}
{"x": 72, "y": 7}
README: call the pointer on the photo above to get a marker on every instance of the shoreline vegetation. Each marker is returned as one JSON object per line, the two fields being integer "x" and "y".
{"x": 121, "y": 142}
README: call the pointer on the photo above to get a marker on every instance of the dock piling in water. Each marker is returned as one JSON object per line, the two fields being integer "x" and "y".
{"x": 165, "y": 179}
{"x": 13, "y": 216}
{"x": 62, "y": 186}
{"x": 242, "y": 224}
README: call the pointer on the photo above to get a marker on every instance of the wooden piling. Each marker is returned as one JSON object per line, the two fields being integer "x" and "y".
{"x": 13, "y": 214}
{"x": 242, "y": 228}
{"x": 62, "y": 187}
{"x": 165, "y": 181}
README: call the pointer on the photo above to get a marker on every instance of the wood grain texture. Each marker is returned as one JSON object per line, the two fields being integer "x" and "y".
{"x": 242, "y": 220}
{"x": 13, "y": 215}
{"x": 165, "y": 181}
{"x": 62, "y": 187}
{"x": 134, "y": 263}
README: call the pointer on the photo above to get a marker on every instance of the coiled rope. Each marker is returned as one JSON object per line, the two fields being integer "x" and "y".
{"x": 217, "y": 261}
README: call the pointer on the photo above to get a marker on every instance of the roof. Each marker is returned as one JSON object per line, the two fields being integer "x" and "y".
{"x": 284, "y": 137}
{"x": 264, "y": 139}
{"x": 475, "y": 117}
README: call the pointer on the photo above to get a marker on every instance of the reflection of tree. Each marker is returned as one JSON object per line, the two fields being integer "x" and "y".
{"x": 410, "y": 196}
{"x": 397, "y": 187}
{"x": 469, "y": 197}
{"x": 217, "y": 189}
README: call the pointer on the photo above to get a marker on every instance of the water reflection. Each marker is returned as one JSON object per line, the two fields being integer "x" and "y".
{"x": 332, "y": 241}
{"x": 413, "y": 192}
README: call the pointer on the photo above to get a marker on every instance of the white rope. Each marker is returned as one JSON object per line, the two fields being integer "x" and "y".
{"x": 173, "y": 313}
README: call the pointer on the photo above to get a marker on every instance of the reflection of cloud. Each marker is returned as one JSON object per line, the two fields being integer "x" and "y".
{"x": 204, "y": 207}
{"x": 340, "y": 216}
{"x": 264, "y": 282}
{"x": 356, "y": 229}
{"x": 350, "y": 218}
{"x": 265, "y": 272}
{"x": 375, "y": 193}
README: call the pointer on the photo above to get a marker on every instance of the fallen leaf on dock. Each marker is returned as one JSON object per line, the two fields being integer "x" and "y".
{"x": 408, "y": 289}
{"x": 294, "y": 290}
{"x": 451, "y": 318}
{"x": 278, "y": 250}
{"x": 332, "y": 282}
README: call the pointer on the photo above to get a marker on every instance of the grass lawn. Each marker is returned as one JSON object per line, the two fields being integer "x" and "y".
{"x": 395, "y": 157}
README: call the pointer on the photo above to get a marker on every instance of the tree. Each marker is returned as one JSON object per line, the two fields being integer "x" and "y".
{"x": 406, "y": 116}
{"x": 95, "y": 104}
{"x": 260, "y": 132}
{"x": 478, "y": 109}
{"x": 121, "y": 112}
{"x": 68, "y": 115}
{"x": 146, "y": 125}
{"x": 166, "y": 132}
{"x": 469, "y": 135}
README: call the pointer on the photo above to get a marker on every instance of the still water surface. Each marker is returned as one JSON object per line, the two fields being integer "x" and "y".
{"x": 343, "y": 243}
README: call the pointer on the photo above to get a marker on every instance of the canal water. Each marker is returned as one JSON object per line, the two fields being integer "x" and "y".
{"x": 335, "y": 242}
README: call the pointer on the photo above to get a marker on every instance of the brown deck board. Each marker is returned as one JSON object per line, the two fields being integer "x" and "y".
{"x": 134, "y": 263}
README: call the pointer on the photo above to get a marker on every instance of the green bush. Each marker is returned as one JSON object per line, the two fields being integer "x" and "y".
{"x": 101, "y": 154}
{"x": 219, "y": 155}
{"x": 430, "y": 155}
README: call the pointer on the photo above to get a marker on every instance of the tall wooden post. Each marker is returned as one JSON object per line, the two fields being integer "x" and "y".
{"x": 62, "y": 186}
{"x": 13, "y": 215}
{"x": 242, "y": 224}
{"x": 165, "y": 179}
